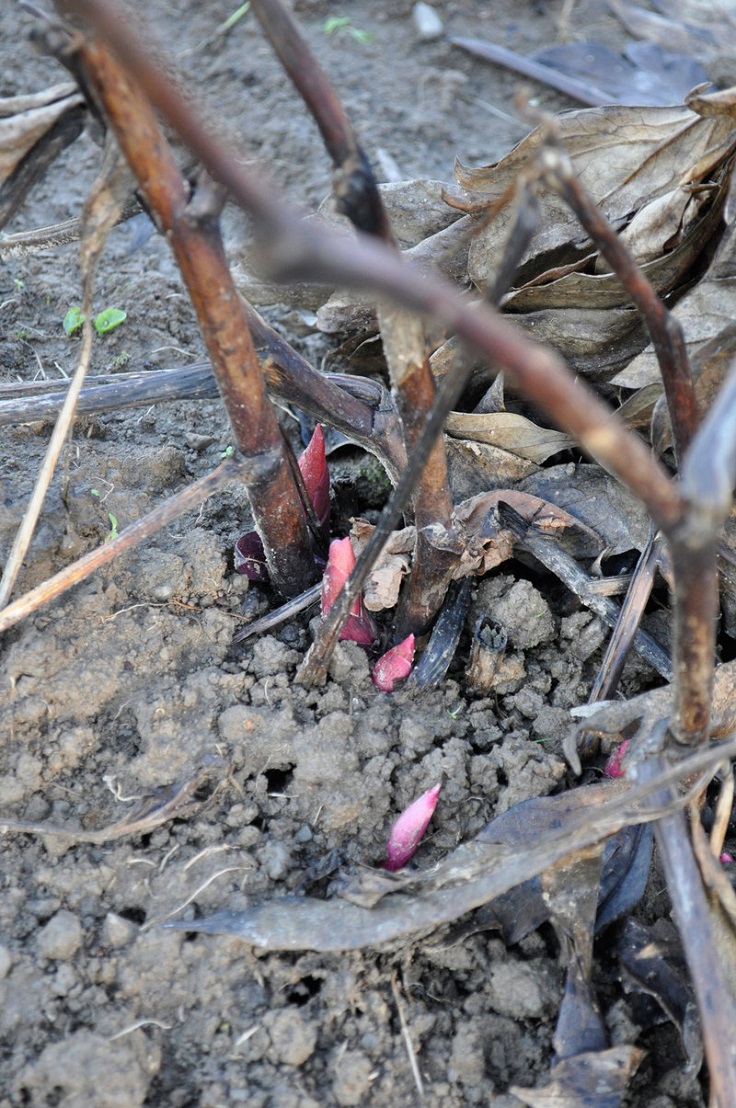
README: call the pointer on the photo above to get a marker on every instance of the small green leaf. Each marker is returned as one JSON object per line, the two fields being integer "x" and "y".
{"x": 335, "y": 23}
{"x": 113, "y": 532}
{"x": 73, "y": 320}
{"x": 339, "y": 23}
{"x": 365, "y": 38}
{"x": 109, "y": 320}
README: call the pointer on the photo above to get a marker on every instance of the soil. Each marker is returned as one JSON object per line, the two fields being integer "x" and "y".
{"x": 131, "y": 682}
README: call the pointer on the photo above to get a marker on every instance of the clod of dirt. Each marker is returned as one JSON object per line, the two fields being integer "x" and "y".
{"x": 85, "y": 1068}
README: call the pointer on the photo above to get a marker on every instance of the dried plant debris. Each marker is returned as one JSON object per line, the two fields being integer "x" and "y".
{"x": 381, "y": 908}
{"x": 655, "y": 965}
{"x": 593, "y": 74}
{"x": 702, "y": 30}
{"x": 34, "y": 130}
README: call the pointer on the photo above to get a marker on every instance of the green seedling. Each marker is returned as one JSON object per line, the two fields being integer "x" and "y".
{"x": 106, "y": 320}
{"x": 113, "y": 532}
{"x": 343, "y": 24}
{"x": 227, "y": 452}
{"x": 73, "y": 320}
{"x": 19, "y": 284}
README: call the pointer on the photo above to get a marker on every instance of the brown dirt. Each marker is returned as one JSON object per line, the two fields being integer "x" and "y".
{"x": 130, "y": 682}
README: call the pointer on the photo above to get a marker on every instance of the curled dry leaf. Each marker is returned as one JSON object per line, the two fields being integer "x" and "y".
{"x": 625, "y": 158}
{"x": 660, "y": 175}
{"x": 510, "y": 432}
{"x": 34, "y": 129}
{"x": 382, "y": 587}
{"x": 705, "y": 31}
{"x": 596, "y": 501}
{"x": 474, "y": 536}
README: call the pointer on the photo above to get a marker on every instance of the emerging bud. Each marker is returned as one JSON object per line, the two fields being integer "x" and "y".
{"x": 394, "y": 665}
{"x": 313, "y": 466}
{"x": 614, "y": 766}
{"x": 407, "y": 831}
{"x": 250, "y": 559}
{"x": 358, "y": 627}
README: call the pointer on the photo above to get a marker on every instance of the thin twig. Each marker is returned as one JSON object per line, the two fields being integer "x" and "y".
{"x": 665, "y": 330}
{"x": 59, "y": 436}
{"x": 171, "y": 802}
{"x": 191, "y": 497}
{"x": 410, "y": 1051}
{"x": 280, "y": 615}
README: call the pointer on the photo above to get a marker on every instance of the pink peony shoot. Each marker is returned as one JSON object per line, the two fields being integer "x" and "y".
{"x": 359, "y": 626}
{"x": 394, "y": 665}
{"x": 313, "y": 466}
{"x": 614, "y": 766}
{"x": 407, "y": 831}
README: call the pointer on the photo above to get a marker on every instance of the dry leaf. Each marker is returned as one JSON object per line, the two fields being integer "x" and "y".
{"x": 510, "y": 432}
{"x": 703, "y": 313}
{"x": 626, "y": 158}
{"x": 593, "y": 498}
{"x": 33, "y": 131}
{"x": 475, "y": 467}
{"x": 593, "y": 1080}
{"x": 382, "y": 587}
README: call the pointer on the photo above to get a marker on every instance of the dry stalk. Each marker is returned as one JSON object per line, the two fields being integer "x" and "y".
{"x": 664, "y": 329}
{"x": 402, "y": 332}
{"x": 191, "y": 224}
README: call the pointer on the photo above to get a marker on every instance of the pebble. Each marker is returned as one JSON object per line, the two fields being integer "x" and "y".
{"x": 118, "y": 931}
{"x": 61, "y": 937}
{"x": 427, "y": 22}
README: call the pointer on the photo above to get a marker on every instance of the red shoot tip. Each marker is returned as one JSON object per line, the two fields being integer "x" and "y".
{"x": 614, "y": 767}
{"x": 313, "y": 466}
{"x": 358, "y": 627}
{"x": 394, "y": 665}
{"x": 407, "y": 831}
